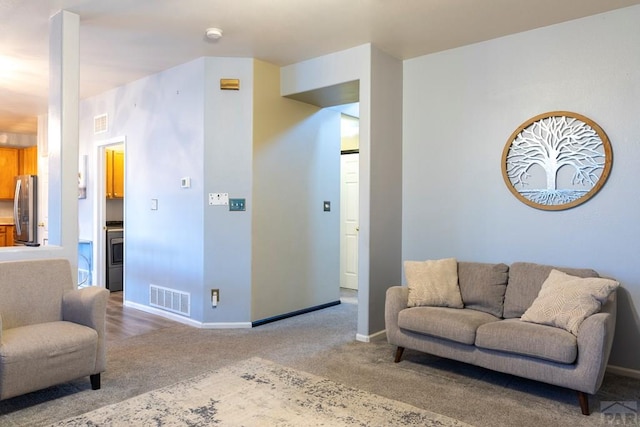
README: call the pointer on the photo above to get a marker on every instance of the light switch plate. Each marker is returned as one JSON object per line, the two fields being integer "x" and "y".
{"x": 218, "y": 199}
{"x": 237, "y": 205}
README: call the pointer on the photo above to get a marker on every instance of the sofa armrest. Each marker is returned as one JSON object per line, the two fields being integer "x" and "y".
{"x": 395, "y": 302}
{"x": 88, "y": 307}
{"x": 595, "y": 339}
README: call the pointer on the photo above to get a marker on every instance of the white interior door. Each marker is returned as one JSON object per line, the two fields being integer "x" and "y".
{"x": 349, "y": 217}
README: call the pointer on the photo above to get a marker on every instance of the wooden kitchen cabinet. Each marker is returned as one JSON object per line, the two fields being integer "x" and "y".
{"x": 8, "y": 171}
{"x": 115, "y": 174}
{"x": 28, "y": 161}
{"x": 6, "y": 235}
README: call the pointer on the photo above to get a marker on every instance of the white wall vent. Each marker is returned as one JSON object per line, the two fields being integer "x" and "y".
{"x": 170, "y": 299}
{"x": 100, "y": 124}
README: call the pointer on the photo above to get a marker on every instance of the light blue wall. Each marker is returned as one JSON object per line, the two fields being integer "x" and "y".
{"x": 228, "y": 169}
{"x": 296, "y": 244}
{"x": 178, "y": 124}
{"x": 380, "y": 97}
{"x": 162, "y": 118}
{"x": 461, "y": 106}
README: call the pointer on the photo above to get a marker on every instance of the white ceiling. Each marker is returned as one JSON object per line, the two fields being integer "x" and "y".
{"x": 123, "y": 40}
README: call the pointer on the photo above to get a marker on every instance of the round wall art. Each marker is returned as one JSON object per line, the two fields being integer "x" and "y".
{"x": 556, "y": 160}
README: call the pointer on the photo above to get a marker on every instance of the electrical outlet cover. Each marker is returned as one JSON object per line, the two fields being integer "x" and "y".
{"x": 218, "y": 199}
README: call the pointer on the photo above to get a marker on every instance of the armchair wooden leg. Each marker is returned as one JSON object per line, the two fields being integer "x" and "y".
{"x": 584, "y": 402}
{"x": 95, "y": 381}
{"x": 399, "y": 352}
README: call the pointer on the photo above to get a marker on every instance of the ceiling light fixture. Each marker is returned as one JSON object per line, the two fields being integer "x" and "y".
{"x": 213, "y": 33}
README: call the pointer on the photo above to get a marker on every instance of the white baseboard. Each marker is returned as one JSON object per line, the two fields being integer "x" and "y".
{"x": 369, "y": 338}
{"x": 186, "y": 320}
{"x": 625, "y": 372}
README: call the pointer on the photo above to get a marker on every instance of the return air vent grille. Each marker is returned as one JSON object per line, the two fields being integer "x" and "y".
{"x": 170, "y": 299}
{"x": 100, "y": 124}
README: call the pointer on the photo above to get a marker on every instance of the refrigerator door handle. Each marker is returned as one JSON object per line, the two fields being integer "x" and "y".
{"x": 16, "y": 213}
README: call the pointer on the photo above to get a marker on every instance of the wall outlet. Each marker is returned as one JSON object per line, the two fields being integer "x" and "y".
{"x": 215, "y": 297}
{"x": 218, "y": 199}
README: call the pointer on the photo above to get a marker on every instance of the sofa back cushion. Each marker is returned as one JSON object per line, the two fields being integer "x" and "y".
{"x": 525, "y": 281}
{"x": 483, "y": 285}
{"x": 31, "y": 291}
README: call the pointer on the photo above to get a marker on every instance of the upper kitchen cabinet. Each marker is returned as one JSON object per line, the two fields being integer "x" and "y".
{"x": 9, "y": 167}
{"x": 115, "y": 173}
{"x": 28, "y": 161}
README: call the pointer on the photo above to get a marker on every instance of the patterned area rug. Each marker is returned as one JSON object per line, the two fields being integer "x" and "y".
{"x": 256, "y": 392}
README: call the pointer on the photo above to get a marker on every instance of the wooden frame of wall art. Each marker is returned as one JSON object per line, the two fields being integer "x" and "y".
{"x": 556, "y": 160}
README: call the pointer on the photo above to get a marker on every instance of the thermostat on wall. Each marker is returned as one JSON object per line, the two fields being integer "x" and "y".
{"x": 185, "y": 182}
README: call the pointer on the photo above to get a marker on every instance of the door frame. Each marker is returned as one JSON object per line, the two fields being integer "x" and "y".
{"x": 100, "y": 208}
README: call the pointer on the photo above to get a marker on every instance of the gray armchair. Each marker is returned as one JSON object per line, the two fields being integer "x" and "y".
{"x": 50, "y": 332}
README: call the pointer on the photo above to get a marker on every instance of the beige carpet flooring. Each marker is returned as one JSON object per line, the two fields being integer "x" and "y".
{"x": 320, "y": 343}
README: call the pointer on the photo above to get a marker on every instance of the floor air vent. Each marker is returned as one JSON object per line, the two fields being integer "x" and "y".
{"x": 170, "y": 299}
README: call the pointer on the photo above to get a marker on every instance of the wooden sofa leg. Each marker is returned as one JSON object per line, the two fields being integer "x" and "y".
{"x": 399, "y": 352}
{"x": 95, "y": 381}
{"x": 584, "y": 402}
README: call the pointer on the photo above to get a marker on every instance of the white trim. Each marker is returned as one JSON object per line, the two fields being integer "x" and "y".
{"x": 625, "y": 372}
{"x": 369, "y": 338}
{"x": 184, "y": 320}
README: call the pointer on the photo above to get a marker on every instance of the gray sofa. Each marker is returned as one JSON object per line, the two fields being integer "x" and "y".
{"x": 488, "y": 331}
{"x": 50, "y": 332}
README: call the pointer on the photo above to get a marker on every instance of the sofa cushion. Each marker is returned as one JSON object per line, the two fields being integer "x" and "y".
{"x": 525, "y": 281}
{"x": 482, "y": 286}
{"x": 565, "y": 301}
{"x": 529, "y": 339}
{"x": 442, "y": 322}
{"x": 36, "y": 356}
{"x": 433, "y": 283}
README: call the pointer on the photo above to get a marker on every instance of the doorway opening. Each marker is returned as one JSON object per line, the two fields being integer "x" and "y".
{"x": 349, "y": 204}
{"x": 109, "y": 208}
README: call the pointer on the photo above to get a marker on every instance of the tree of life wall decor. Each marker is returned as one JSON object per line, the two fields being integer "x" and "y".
{"x": 556, "y": 160}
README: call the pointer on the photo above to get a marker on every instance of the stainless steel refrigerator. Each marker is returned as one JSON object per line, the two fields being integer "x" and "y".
{"x": 25, "y": 212}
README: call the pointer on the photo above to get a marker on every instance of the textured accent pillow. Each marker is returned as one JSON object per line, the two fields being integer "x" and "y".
{"x": 525, "y": 281}
{"x": 565, "y": 301}
{"x": 433, "y": 283}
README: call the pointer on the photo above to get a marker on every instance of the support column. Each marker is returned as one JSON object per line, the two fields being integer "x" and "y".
{"x": 63, "y": 132}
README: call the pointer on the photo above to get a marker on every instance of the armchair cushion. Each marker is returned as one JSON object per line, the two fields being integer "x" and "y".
{"x": 36, "y": 356}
